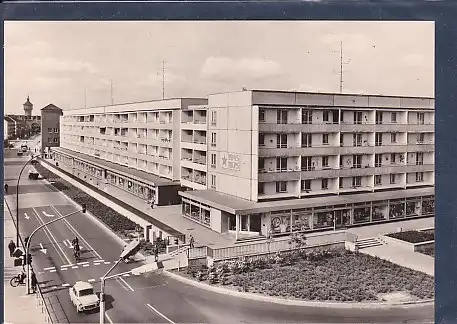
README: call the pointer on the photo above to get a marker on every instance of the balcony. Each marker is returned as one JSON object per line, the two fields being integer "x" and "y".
{"x": 268, "y": 151}
{"x": 279, "y": 175}
{"x": 298, "y": 127}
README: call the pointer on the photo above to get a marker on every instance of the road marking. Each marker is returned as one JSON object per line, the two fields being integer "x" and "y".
{"x": 93, "y": 251}
{"x": 26, "y": 216}
{"x": 99, "y": 261}
{"x": 43, "y": 249}
{"x": 96, "y": 263}
{"x": 75, "y": 267}
{"x": 66, "y": 285}
{"x": 85, "y": 262}
{"x": 64, "y": 269}
{"x": 67, "y": 265}
{"x": 50, "y": 268}
{"x": 47, "y": 230}
{"x": 55, "y": 287}
{"x": 109, "y": 319}
{"x": 127, "y": 275}
{"x": 53, "y": 270}
{"x": 46, "y": 214}
{"x": 124, "y": 284}
{"x": 107, "y": 262}
{"x": 155, "y": 310}
{"x": 85, "y": 265}
{"x": 91, "y": 280}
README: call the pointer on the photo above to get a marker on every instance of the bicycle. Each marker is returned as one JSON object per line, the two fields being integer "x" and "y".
{"x": 76, "y": 255}
{"x": 16, "y": 281}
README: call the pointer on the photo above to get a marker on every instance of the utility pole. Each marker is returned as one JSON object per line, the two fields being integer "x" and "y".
{"x": 85, "y": 97}
{"x": 163, "y": 80}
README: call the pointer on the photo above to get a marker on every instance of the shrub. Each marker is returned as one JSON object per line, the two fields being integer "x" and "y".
{"x": 413, "y": 236}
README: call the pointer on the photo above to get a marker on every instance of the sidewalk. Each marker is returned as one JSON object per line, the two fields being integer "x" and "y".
{"x": 409, "y": 259}
{"x": 18, "y": 307}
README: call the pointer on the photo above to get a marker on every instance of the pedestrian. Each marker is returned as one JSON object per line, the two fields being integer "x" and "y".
{"x": 11, "y": 247}
{"x": 156, "y": 253}
{"x": 6, "y": 188}
{"x": 34, "y": 281}
{"x": 191, "y": 242}
{"x": 26, "y": 239}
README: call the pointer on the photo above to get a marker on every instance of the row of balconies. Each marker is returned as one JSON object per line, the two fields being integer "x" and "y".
{"x": 333, "y": 128}
{"x": 366, "y": 170}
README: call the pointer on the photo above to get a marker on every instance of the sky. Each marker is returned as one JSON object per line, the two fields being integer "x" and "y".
{"x": 74, "y": 64}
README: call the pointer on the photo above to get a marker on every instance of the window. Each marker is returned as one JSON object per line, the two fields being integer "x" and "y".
{"x": 213, "y": 118}
{"x": 56, "y": 140}
{"x": 420, "y": 118}
{"x": 356, "y": 181}
{"x": 306, "y": 140}
{"x": 261, "y": 188}
{"x": 419, "y": 158}
{"x": 325, "y": 116}
{"x": 281, "y": 140}
{"x": 213, "y": 181}
{"x": 420, "y": 138}
{"x": 341, "y": 116}
{"x": 325, "y": 162}
{"x": 341, "y": 139}
{"x": 378, "y": 139}
{"x": 393, "y": 118}
{"x": 377, "y": 180}
{"x": 49, "y": 130}
{"x": 306, "y": 116}
{"x": 261, "y": 139}
{"x": 56, "y": 130}
{"x": 281, "y": 186}
{"x": 261, "y": 115}
{"x": 392, "y": 158}
{"x": 281, "y": 164}
{"x": 213, "y": 139}
{"x": 261, "y": 164}
{"x": 50, "y": 140}
{"x": 357, "y": 161}
{"x": 419, "y": 176}
{"x": 281, "y": 116}
{"x": 324, "y": 184}
{"x": 357, "y": 139}
{"x": 213, "y": 160}
{"x": 325, "y": 139}
{"x": 379, "y": 117}
{"x": 340, "y": 183}
{"x": 306, "y": 163}
{"x": 392, "y": 178}
{"x": 377, "y": 160}
{"x": 393, "y": 137}
{"x": 306, "y": 185}
{"x": 357, "y": 117}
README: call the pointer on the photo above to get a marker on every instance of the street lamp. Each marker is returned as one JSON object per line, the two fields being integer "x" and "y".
{"x": 129, "y": 250}
{"x": 26, "y": 257}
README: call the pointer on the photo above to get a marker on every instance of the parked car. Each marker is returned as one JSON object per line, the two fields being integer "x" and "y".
{"x": 83, "y": 297}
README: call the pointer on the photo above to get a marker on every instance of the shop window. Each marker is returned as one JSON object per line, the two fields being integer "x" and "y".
{"x": 323, "y": 219}
{"x": 379, "y": 211}
{"x": 396, "y": 209}
{"x": 361, "y": 214}
{"x": 280, "y": 223}
{"x": 428, "y": 207}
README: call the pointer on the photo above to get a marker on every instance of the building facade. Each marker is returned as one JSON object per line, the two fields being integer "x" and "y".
{"x": 267, "y": 162}
{"x": 21, "y": 126}
{"x": 50, "y": 127}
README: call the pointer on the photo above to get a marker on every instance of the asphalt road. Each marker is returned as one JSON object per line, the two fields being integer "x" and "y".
{"x": 146, "y": 299}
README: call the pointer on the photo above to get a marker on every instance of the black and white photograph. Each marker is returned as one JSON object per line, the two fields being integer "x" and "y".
{"x": 219, "y": 171}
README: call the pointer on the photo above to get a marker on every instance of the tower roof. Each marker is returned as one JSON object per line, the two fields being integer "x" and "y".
{"x": 28, "y": 103}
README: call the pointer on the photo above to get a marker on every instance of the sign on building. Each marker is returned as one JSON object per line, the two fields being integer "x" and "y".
{"x": 230, "y": 161}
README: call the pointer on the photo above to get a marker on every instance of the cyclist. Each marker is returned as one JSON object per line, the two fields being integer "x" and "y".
{"x": 75, "y": 243}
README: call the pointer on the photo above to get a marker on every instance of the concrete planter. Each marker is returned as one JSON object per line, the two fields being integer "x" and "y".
{"x": 414, "y": 247}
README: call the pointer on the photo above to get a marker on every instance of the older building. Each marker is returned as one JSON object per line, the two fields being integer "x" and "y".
{"x": 50, "y": 127}
{"x": 264, "y": 162}
{"x": 22, "y": 126}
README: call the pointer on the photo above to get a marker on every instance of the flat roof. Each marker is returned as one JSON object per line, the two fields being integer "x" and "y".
{"x": 138, "y": 175}
{"x": 235, "y": 205}
{"x": 323, "y": 93}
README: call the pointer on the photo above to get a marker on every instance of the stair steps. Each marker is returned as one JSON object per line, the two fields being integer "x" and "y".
{"x": 368, "y": 242}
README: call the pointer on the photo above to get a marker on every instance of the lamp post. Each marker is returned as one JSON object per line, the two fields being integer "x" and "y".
{"x": 129, "y": 250}
{"x": 17, "y": 196}
{"x": 83, "y": 210}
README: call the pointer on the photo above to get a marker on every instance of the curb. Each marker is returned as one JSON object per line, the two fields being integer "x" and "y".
{"x": 291, "y": 302}
{"x": 95, "y": 219}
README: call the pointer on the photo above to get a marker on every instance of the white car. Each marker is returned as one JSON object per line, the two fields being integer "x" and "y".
{"x": 83, "y": 297}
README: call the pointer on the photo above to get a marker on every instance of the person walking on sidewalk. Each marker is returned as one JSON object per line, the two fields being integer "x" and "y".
{"x": 191, "y": 242}
{"x": 156, "y": 252}
{"x": 6, "y": 188}
{"x": 11, "y": 247}
{"x": 34, "y": 281}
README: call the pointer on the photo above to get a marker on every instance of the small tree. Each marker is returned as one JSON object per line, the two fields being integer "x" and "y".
{"x": 297, "y": 241}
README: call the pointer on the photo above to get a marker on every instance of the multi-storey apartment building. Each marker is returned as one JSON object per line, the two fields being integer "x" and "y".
{"x": 286, "y": 161}
{"x": 133, "y": 147}
{"x": 50, "y": 126}
{"x": 264, "y": 162}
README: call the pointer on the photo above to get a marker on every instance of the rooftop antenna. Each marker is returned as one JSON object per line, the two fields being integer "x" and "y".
{"x": 85, "y": 97}
{"x": 342, "y": 62}
{"x": 163, "y": 80}
{"x": 112, "y": 98}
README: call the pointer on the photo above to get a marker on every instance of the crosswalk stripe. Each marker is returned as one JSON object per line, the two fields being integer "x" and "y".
{"x": 54, "y": 270}
{"x": 85, "y": 265}
{"x": 75, "y": 267}
{"x": 66, "y": 285}
{"x": 91, "y": 280}
{"x": 50, "y": 268}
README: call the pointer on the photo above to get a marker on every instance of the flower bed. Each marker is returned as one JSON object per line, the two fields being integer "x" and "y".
{"x": 429, "y": 251}
{"x": 326, "y": 276}
{"x": 117, "y": 222}
{"x": 413, "y": 236}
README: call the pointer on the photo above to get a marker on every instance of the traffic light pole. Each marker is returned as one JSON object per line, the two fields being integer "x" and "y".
{"x": 102, "y": 291}
{"x": 27, "y": 248}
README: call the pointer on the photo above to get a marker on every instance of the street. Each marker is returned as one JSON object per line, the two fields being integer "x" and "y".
{"x": 148, "y": 298}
